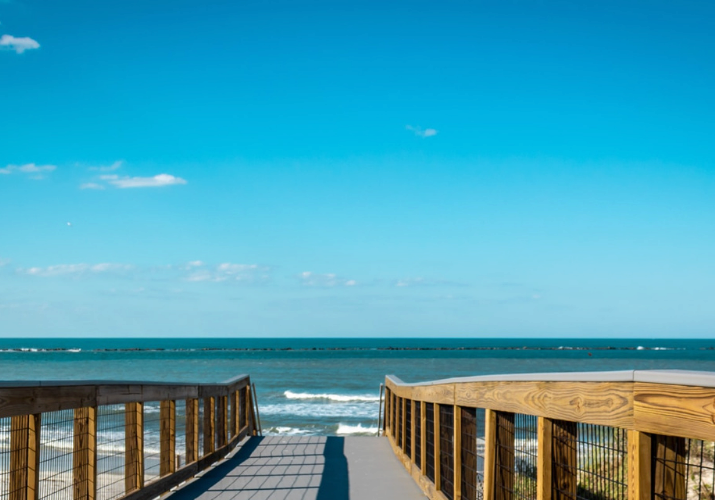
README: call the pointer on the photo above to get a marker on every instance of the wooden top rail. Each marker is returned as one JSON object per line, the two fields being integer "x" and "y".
{"x": 666, "y": 402}
{"x": 29, "y": 397}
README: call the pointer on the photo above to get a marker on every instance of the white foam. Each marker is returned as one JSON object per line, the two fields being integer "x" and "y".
{"x": 344, "y": 429}
{"x": 342, "y": 398}
{"x": 318, "y": 410}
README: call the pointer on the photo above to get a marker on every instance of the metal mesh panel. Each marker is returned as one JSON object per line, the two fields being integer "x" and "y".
{"x": 418, "y": 434}
{"x": 399, "y": 422}
{"x": 152, "y": 441}
{"x": 241, "y": 415}
{"x": 4, "y": 457}
{"x": 180, "y": 433}
{"x": 201, "y": 426}
{"x": 602, "y": 463}
{"x": 56, "y": 447}
{"x": 472, "y": 453}
{"x": 683, "y": 469}
{"x": 110, "y": 451}
{"x": 15, "y": 432}
{"x": 446, "y": 450}
{"x": 429, "y": 445}
{"x": 393, "y": 405}
{"x": 525, "y": 455}
{"x": 408, "y": 427}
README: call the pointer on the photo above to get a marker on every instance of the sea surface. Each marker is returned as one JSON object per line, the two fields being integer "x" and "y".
{"x": 331, "y": 386}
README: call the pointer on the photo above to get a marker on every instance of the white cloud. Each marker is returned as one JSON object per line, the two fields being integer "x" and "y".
{"x": 419, "y": 281}
{"x": 420, "y": 132}
{"x": 91, "y": 185}
{"x": 109, "y": 168}
{"x": 34, "y": 171}
{"x": 4, "y": 262}
{"x": 329, "y": 280}
{"x": 140, "y": 182}
{"x": 244, "y": 273}
{"x": 18, "y": 44}
{"x": 75, "y": 269}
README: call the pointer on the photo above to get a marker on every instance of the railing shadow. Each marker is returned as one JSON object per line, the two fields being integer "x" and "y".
{"x": 335, "y": 483}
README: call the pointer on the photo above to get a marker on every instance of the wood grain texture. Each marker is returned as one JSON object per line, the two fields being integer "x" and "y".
{"x": 134, "y": 447}
{"x": 602, "y": 403}
{"x": 167, "y": 437}
{"x": 24, "y": 457}
{"x": 457, "y": 452}
{"x": 84, "y": 456}
{"x": 564, "y": 461}
{"x": 437, "y": 464}
{"x": 504, "y": 456}
{"x": 669, "y": 474}
{"x": 639, "y": 465}
{"x": 192, "y": 430}
{"x": 490, "y": 440}
{"x": 412, "y": 429}
{"x": 423, "y": 437}
{"x": 544, "y": 458}
{"x": 675, "y": 410}
{"x": 222, "y": 421}
{"x": 443, "y": 393}
{"x": 16, "y": 401}
{"x": 209, "y": 425}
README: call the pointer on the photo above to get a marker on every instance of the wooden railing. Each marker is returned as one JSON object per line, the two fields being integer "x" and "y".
{"x": 99, "y": 440}
{"x": 635, "y": 435}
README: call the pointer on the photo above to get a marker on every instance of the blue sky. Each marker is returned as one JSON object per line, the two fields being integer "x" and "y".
{"x": 360, "y": 168}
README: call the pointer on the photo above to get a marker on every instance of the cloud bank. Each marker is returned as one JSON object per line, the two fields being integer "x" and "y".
{"x": 160, "y": 180}
{"x": 34, "y": 171}
{"x": 329, "y": 280}
{"x": 18, "y": 44}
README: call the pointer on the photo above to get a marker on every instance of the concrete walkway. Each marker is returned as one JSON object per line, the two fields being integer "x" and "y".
{"x": 306, "y": 468}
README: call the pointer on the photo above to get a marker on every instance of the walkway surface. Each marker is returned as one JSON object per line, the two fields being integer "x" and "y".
{"x": 307, "y": 468}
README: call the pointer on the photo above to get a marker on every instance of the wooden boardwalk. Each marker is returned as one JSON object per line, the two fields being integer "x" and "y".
{"x": 306, "y": 468}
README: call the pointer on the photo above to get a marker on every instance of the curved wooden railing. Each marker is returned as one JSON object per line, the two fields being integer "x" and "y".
{"x": 636, "y": 435}
{"x": 104, "y": 440}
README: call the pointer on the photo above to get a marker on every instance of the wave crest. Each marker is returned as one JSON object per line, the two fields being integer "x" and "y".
{"x": 342, "y": 398}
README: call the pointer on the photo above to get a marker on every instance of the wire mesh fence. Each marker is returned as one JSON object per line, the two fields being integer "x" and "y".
{"x": 242, "y": 413}
{"x": 446, "y": 450}
{"x": 418, "y": 433}
{"x": 399, "y": 422}
{"x": 408, "y": 427}
{"x": 111, "y": 434}
{"x": 152, "y": 441}
{"x": 4, "y": 457}
{"x": 525, "y": 456}
{"x": 683, "y": 469}
{"x": 56, "y": 454}
{"x": 180, "y": 433}
{"x": 472, "y": 451}
{"x": 602, "y": 462}
{"x": 429, "y": 441}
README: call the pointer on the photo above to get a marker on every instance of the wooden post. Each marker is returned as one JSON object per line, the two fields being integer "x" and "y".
{"x": 437, "y": 434}
{"x": 248, "y": 408}
{"x": 388, "y": 424}
{"x": 251, "y": 413}
{"x": 24, "y": 457}
{"x": 544, "y": 459}
{"x": 457, "y": 453}
{"x": 192, "y": 430}
{"x": 504, "y": 465}
{"x": 209, "y": 425}
{"x": 84, "y": 456}
{"x": 134, "y": 447}
{"x": 403, "y": 416}
{"x": 564, "y": 460}
{"x": 639, "y": 465}
{"x": 468, "y": 452}
{"x": 234, "y": 414}
{"x": 222, "y": 426}
{"x": 490, "y": 445}
{"x": 412, "y": 430}
{"x": 423, "y": 437}
{"x": 168, "y": 437}
{"x": 669, "y": 467}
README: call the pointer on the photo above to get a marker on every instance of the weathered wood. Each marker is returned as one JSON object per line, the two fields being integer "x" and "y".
{"x": 602, "y": 403}
{"x": 412, "y": 429}
{"x": 564, "y": 460}
{"x": 209, "y": 425}
{"x": 134, "y": 447}
{"x": 504, "y": 456}
{"x": 17, "y": 401}
{"x": 639, "y": 465}
{"x": 235, "y": 408}
{"x": 84, "y": 456}
{"x": 443, "y": 393}
{"x": 675, "y": 410}
{"x": 544, "y": 459}
{"x": 251, "y": 413}
{"x": 192, "y": 430}
{"x": 669, "y": 455}
{"x": 468, "y": 453}
{"x": 457, "y": 452}
{"x": 404, "y": 424}
{"x": 167, "y": 437}
{"x": 437, "y": 434}
{"x": 24, "y": 457}
{"x": 222, "y": 421}
{"x": 490, "y": 444}
{"x": 423, "y": 438}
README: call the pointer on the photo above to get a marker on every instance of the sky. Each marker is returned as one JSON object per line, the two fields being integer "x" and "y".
{"x": 357, "y": 168}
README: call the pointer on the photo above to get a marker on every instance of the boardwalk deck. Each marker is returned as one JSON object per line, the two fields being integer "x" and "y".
{"x": 306, "y": 468}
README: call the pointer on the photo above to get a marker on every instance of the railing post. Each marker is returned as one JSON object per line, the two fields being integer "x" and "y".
{"x": 504, "y": 466}
{"x": 234, "y": 414}
{"x": 247, "y": 410}
{"x": 457, "y": 452}
{"x": 222, "y": 425}
{"x": 252, "y": 428}
{"x": 24, "y": 457}
{"x": 437, "y": 435}
{"x": 423, "y": 437}
{"x": 192, "y": 430}
{"x": 564, "y": 460}
{"x": 639, "y": 465}
{"x": 490, "y": 445}
{"x": 134, "y": 447}
{"x": 168, "y": 437}
{"x": 544, "y": 459}
{"x": 84, "y": 456}
{"x": 669, "y": 471}
{"x": 412, "y": 430}
{"x": 209, "y": 425}
{"x": 403, "y": 416}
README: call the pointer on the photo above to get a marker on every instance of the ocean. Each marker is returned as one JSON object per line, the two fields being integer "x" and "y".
{"x": 326, "y": 386}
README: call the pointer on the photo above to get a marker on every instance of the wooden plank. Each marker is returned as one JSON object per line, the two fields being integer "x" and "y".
{"x": 564, "y": 450}
{"x": 235, "y": 408}
{"x": 504, "y": 456}
{"x": 33, "y": 456}
{"x": 209, "y": 425}
{"x": 602, "y": 403}
{"x": 423, "y": 437}
{"x": 388, "y": 395}
{"x": 17, "y": 401}
{"x": 134, "y": 447}
{"x": 544, "y": 458}
{"x": 675, "y": 410}
{"x": 192, "y": 430}
{"x": 24, "y": 457}
{"x": 167, "y": 437}
{"x": 404, "y": 424}
{"x": 457, "y": 452}
{"x": 468, "y": 452}
{"x": 412, "y": 429}
{"x": 437, "y": 434}
{"x": 490, "y": 444}
{"x": 639, "y": 465}
{"x": 84, "y": 456}
{"x": 442, "y": 393}
{"x": 248, "y": 408}
{"x": 222, "y": 424}
{"x": 251, "y": 414}
{"x": 669, "y": 468}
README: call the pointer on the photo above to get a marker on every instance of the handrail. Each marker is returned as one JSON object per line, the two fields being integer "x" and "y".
{"x": 557, "y": 436}
{"x": 86, "y": 416}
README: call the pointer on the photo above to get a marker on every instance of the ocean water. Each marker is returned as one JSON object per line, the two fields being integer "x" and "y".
{"x": 330, "y": 386}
